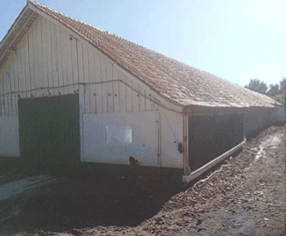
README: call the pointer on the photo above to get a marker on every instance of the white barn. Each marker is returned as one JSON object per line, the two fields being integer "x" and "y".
{"x": 71, "y": 92}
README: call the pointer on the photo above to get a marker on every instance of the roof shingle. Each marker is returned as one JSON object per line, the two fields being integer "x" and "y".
{"x": 178, "y": 82}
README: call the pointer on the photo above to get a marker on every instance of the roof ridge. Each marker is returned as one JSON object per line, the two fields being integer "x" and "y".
{"x": 176, "y": 81}
{"x": 102, "y": 30}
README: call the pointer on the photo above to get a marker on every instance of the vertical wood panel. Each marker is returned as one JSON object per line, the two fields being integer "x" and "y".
{"x": 86, "y": 78}
{"x": 110, "y": 95}
{"x": 11, "y": 79}
{"x": 46, "y": 57}
{"x": 139, "y": 98}
{"x": 122, "y": 98}
{"x": 103, "y": 86}
{"x": 115, "y": 90}
{"x": 152, "y": 104}
{"x": 91, "y": 99}
{"x": 39, "y": 80}
{"x": 74, "y": 63}
{"x": 80, "y": 76}
{"x": 15, "y": 84}
{"x": 142, "y": 99}
{"x": 135, "y": 97}
{"x": 27, "y": 66}
{"x": 54, "y": 51}
{"x": 1, "y": 92}
{"x": 97, "y": 88}
{"x": 49, "y": 57}
{"x": 80, "y": 62}
{"x": 45, "y": 82}
{"x": 35, "y": 56}
{"x": 21, "y": 71}
{"x": 69, "y": 62}
{"x": 59, "y": 60}
{"x": 64, "y": 61}
{"x": 148, "y": 101}
{"x": 128, "y": 95}
{"x": 31, "y": 58}
{"x": 6, "y": 86}
{"x": 9, "y": 74}
{"x": 156, "y": 106}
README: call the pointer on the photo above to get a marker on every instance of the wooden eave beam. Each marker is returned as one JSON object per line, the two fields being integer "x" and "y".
{"x": 12, "y": 29}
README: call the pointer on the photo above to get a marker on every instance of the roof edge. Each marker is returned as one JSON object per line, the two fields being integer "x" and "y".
{"x": 13, "y": 26}
{"x": 47, "y": 16}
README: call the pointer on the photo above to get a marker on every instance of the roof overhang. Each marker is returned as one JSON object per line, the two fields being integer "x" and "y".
{"x": 16, "y": 32}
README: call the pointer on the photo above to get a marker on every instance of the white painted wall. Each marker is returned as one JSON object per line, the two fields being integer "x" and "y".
{"x": 9, "y": 136}
{"x": 50, "y": 60}
{"x": 112, "y": 146}
{"x": 172, "y": 135}
{"x": 147, "y": 142}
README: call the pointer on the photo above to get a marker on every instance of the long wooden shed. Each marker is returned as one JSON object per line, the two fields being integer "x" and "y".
{"x": 71, "y": 92}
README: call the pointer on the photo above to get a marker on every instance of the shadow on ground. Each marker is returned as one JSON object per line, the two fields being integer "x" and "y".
{"x": 88, "y": 200}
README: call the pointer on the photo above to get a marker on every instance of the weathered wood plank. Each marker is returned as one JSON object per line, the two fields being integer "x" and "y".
{"x": 12, "y": 81}
{"x": 128, "y": 95}
{"x": 122, "y": 98}
{"x": 6, "y": 89}
{"x": 64, "y": 61}
{"x": 49, "y": 58}
{"x": 15, "y": 83}
{"x": 74, "y": 63}
{"x": 39, "y": 80}
{"x": 110, "y": 95}
{"x": 104, "y": 91}
{"x": 115, "y": 86}
{"x": 54, "y": 51}
{"x": 21, "y": 64}
{"x": 80, "y": 76}
{"x": 31, "y": 58}
{"x": 97, "y": 88}
{"x": 91, "y": 99}
{"x": 86, "y": 78}
{"x": 45, "y": 82}
{"x": 35, "y": 56}
{"x": 59, "y": 60}
{"x": 27, "y": 66}
{"x": 68, "y": 44}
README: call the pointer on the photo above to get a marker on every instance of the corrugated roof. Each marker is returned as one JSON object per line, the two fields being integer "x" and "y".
{"x": 176, "y": 81}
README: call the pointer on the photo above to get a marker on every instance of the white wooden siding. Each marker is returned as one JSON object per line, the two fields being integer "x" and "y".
{"x": 51, "y": 60}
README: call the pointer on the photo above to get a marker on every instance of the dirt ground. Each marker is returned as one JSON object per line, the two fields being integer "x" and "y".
{"x": 245, "y": 196}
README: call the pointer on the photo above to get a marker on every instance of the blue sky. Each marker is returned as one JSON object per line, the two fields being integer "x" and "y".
{"x": 234, "y": 40}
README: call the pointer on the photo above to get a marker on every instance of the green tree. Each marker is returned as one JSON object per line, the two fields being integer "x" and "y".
{"x": 282, "y": 85}
{"x": 282, "y": 90}
{"x": 257, "y": 85}
{"x": 274, "y": 90}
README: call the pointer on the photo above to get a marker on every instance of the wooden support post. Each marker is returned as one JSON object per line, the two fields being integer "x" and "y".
{"x": 186, "y": 143}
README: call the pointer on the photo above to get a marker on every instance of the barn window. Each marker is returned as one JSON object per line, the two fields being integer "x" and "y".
{"x": 118, "y": 135}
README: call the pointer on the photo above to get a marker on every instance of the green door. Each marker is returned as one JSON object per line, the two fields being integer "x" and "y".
{"x": 49, "y": 132}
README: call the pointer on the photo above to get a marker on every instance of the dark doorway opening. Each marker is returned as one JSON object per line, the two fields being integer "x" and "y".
{"x": 211, "y": 136}
{"x": 49, "y": 132}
